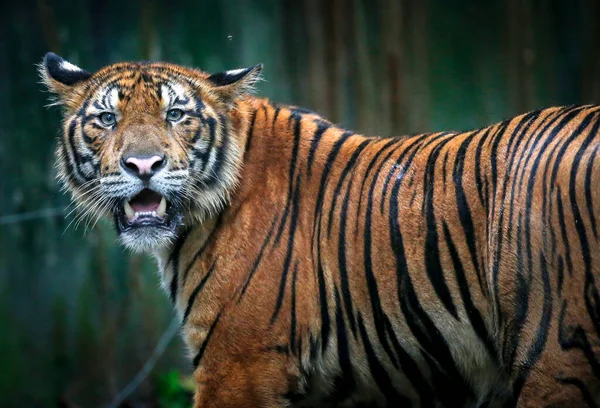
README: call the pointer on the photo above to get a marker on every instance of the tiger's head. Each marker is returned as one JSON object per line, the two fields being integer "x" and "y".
{"x": 153, "y": 145}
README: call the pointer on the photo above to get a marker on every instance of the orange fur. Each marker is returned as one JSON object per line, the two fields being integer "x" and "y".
{"x": 446, "y": 268}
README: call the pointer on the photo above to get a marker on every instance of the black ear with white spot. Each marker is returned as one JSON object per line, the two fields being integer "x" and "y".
{"x": 61, "y": 71}
{"x": 237, "y": 81}
{"x": 63, "y": 79}
{"x": 236, "y": 75}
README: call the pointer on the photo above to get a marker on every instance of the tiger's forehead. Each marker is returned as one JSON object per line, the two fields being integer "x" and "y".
{"x": 158, "y": 84}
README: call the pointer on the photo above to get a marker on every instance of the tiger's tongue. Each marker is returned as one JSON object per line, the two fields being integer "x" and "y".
{"x": 147, "y": 200}
{"x": 143, "y": 207}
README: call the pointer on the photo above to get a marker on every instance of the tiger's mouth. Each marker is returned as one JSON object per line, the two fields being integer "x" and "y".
{"x": 147, "y": 206}
{"x": 146, "y": 210}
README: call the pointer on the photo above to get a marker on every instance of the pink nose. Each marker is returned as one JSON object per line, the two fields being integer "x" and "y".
{"x": 144, "y": 167}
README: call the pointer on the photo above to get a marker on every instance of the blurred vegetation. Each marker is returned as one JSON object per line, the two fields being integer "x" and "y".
{"x": 78, "y": 315}
{"x": 174, "y": 390}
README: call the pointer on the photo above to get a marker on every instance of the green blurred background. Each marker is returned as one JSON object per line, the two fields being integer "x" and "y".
{"x": 79, "y": 317}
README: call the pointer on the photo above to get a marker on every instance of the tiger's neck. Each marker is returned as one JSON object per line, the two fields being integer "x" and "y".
{"x": 287, "y": 162}
{"x": 289, "y": 153}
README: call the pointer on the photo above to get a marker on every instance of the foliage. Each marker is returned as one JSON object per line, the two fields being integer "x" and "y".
{"x": 174, "y": 390}
{"x": 78, "y": 315}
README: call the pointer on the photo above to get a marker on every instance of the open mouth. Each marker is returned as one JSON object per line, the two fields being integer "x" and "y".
{"x": 147, "y": 205}
{"x": 147, "y": 209}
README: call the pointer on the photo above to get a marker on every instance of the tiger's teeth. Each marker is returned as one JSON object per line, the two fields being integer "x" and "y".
{"x": 162, "y": 208}
{"x": 129, "y": 211}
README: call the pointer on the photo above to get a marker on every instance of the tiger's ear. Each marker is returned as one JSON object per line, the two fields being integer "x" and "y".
{"x": 62, "y": 78}
{"x": 236, "y": 82}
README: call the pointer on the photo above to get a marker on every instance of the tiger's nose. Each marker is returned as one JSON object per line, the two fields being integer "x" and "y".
{"x": 143, "y": 167}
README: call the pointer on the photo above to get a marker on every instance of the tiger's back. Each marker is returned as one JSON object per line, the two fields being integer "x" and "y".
{"x": 334, "y": 269}
{"x": 390, "y": 268}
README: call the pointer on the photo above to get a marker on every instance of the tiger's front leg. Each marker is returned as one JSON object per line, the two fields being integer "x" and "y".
{"x": 241, "y": 381}
{"x": 241, "y": 364}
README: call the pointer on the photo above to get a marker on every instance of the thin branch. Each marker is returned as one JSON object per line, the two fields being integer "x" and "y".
{"x": 31, "y": 215}
{"x": 162, "y": 344}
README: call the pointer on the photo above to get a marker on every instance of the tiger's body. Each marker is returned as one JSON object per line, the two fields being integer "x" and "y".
{"x": 438, "y": 270}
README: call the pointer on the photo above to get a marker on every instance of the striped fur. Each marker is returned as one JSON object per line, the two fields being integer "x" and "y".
{"x": 438, "y": 270}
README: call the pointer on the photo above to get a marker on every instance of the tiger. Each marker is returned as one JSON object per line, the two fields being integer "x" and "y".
{"x": 311, "y": 266}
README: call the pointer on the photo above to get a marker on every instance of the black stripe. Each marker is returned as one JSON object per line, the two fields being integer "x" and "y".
{"x": 322, "y": 126}
{"x": 420, "y": 142}
{"x": 381, "y": 377}
{"x": 293, "y": 308}
{"x": 73, "y": 153}
{"x": 200, "y": 251}
{"x": 563, "y": 230}
{"x": 473, "y": 314}
{"x": 370, "y": 167}
{"x": 545, "y": 208}
{"x": 250, "y": 133}
{"x": 378, "y": 315}
{"x": 579, "y": 384}
{"x": 454, "y": 388}
{"x": 290, "y": 247}
{"x": 444, "y": 171}
{"x": 410, "y": 368}
{"x": 588, "y": 190}
{"x": 478, "y": 166}
{"x": 433, "y": 263}
{"x": 258, "y": 258}
{"x": 547, "y": 203}
{"x": 498, "y": 136}
{"x": 204, "y": 121}
{"x": 70, "y": 171}
{"x": 464, "y": 211}
{"x": 197, "y": 290}
{"x": 274, "y": 120}
{"x": 537, "y": 347}
{"x": 336, "y": 193}
{"x": 521, "y": 301}
{"x": 577, "y": 218}
{"x": 212, "y": 136}
{"x": 323, "y": 304}
{"x": 592, "y": 301}
{"x": 174, "y": 260}
{"x": 342, "y": 264}
{"x": 560, "y": 273}
{"x": 344, "y": 383}
{"x": 316, "y": 238}
{"x": 202, "y": 349}
{"x": 576, "y": 338}
{"x": 566, "y": 115}
{"x": 327, "y": 169}
{"x": 534, "y": 170}
{"x": 222, "y": 151}
{"x": 291, "y": 173}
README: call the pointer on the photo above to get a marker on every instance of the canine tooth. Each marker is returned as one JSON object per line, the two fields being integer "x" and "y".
{"x": 128, "y": 210}
{"x": 162, "y": 208}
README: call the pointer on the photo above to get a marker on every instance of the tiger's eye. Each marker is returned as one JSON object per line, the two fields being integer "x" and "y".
{"x": 107, "y": 118}
{"x": 174, "y": 115}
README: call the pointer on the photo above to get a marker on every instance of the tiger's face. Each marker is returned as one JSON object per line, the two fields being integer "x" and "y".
{"x": 153, "y": 145}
